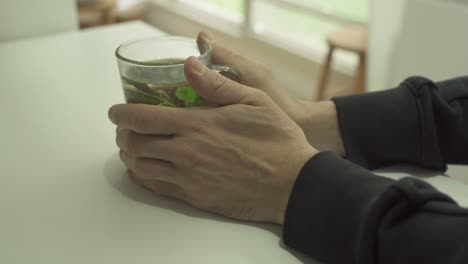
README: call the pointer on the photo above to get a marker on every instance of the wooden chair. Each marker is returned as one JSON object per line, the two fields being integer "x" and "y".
{"x": 96, "y": 12}
{"x": 127, "y": 10}
{"x": 351, "y": 38}
{"x": 100, "y": 12}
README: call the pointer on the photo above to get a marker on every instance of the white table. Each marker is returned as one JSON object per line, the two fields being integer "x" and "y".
{"x": 64, "y": 195}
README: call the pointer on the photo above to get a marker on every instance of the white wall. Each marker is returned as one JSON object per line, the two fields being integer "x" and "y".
{"x": 384, "y": 28}
{"x": 30, "y": 18}
{"x": 417, "y": 37}
{"x": 298, "y": 74}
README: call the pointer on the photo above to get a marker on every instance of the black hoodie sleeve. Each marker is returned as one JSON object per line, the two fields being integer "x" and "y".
{"x": 419, "y": 122}
{"x": 339, "y": 212}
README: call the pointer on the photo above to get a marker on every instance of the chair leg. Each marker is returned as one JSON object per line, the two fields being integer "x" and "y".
{"x": 324, "y": 77}
{"x": 108, "y": 16}
{"x": 360, "y": 81}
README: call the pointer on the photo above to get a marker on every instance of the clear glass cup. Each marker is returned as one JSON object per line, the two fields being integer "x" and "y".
{"x": 152, "y": 70}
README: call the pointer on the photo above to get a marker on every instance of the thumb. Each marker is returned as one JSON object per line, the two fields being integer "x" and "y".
{"x": 214, "y": 87}
{"x": 251, "y": 72}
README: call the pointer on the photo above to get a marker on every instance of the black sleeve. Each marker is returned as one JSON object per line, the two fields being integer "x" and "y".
{"x": 339, "y": 212}
{"x": 419, "y": 122}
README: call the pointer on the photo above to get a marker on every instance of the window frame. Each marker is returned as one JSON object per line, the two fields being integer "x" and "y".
{"x": 245, "y": 28}
{"x": 247, "y": 25}
{"x": 315, "y": 11}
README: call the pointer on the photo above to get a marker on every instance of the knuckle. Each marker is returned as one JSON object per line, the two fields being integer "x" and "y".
{"x": 257, "y": 95}
{"x": 220, "y": 81}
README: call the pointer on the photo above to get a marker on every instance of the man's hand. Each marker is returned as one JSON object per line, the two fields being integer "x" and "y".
{"x": 239, "y": 160}
{"x": 318, "y": 120}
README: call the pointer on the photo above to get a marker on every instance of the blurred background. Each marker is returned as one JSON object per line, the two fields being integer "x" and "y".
{"x": 317, "y": 48}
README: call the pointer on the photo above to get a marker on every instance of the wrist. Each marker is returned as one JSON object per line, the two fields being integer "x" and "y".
{"x": 319, "y": 122}
{"x": 305, "y": 154}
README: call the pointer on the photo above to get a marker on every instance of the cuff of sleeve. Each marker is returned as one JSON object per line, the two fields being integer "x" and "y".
{"x": 389, "y": 127}
{"x": 328, "y": 202}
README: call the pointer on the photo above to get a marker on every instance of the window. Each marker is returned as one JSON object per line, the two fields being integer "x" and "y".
{"x": 232, "y": 6}
{"x": 356, "y": 10}
{"x": 304, "y": 22}
{"x": 229, "y": 9}
{"x": 292, "y": 24}
{"x": 268, "y": 19}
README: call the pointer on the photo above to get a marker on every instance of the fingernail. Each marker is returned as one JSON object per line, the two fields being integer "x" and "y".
{"x": 196, "y": 66}
{"x": 207, "y": 36}
{"x": 110, "y": 114}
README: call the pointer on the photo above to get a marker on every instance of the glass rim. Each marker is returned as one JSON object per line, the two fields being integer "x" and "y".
{"x": 140, "y": 63}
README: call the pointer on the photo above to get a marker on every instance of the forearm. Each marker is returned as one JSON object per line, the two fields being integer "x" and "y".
{"x": 319, "y": 122}
{"x": 339, "y": 212}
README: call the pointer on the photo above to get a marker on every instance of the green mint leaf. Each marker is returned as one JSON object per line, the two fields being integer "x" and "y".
{"x": 185, "y": 93}
{"x": 189, "y": 96}
{"x": 199, "y": 101}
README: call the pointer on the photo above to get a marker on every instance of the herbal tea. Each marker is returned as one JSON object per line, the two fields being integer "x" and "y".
{"x": 172, "y": 95}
